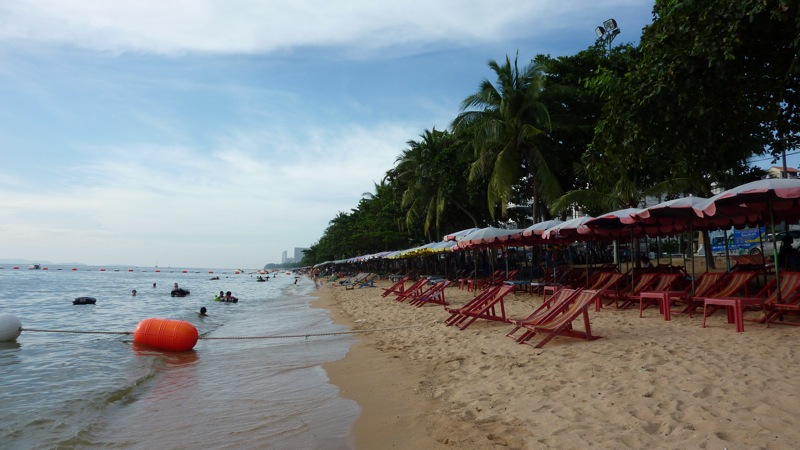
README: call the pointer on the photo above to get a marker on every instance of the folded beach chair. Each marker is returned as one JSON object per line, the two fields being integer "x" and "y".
{"x": 560, "y": 324}
{"x": 551, "y": 306}
{"x": 433, "y": 295}
{"x": 491, "y": 307}
{"x": 395, "y": 288}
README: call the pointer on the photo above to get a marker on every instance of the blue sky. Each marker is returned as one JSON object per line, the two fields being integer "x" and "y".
{"x": 220, "y": 133}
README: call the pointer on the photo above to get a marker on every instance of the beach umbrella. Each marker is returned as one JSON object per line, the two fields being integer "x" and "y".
{"x": 569, "y": 231}
{"x": 772, "y": 199}
{"x": 458, "y": 235}
{"x": 539, "y": 228}
{"x": 485, "y": 237}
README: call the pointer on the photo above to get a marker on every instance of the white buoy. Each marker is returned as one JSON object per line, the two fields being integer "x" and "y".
{"x": 9, "y": 327}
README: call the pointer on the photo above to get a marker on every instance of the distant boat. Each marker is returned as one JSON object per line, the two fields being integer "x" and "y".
{"x": 34, "y": 267}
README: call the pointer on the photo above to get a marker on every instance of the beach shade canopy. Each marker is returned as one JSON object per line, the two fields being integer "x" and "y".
{"x": 537, "y": 230}
{"x": 672, "y": 216}
{"x": 569, "y": 231}
{"x": 772, "y": 199}
{"x": 458, "y": 235}
{"x": 486, "y": 237}
{"x": 615, "y": 224}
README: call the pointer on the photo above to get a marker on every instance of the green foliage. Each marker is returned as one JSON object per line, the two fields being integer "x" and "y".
{"x": 712, "y": 83}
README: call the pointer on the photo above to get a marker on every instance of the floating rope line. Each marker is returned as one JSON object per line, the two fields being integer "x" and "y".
{"x": 307, "y": 335}
{"x": 282, "y": 336}
{"x": 74, "y": 331}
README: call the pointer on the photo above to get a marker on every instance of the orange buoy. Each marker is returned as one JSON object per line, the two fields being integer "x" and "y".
{"x": 166, "y": 334}
{"x": 102, "y": 269}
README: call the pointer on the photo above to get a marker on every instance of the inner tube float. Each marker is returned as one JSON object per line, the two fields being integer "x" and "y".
{"x": 180, "y": 292}
{"x": 84, "y": 301}
{"x": 230, "y": 299}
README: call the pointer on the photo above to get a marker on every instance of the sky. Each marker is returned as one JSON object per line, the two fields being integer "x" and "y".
{"x": 220, "y": 133}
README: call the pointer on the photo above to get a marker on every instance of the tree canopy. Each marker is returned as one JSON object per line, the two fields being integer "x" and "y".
{"x": 710, "y": 84}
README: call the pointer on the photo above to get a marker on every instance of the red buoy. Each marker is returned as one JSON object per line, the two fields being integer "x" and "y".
{"x": 166, "y": 334}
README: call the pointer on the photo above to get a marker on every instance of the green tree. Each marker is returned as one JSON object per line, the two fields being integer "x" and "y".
{"x": 716, "y": 83}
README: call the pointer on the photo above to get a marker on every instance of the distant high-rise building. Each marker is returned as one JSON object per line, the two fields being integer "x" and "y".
{"x": 284, "y": 257}
{"x": 298, "y": 254}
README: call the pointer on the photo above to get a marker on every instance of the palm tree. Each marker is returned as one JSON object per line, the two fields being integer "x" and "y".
{"x": 508, "y": 121}
{"x": 425, "y": 196}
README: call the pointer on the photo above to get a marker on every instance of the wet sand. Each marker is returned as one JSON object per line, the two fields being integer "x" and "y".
{"x": 649, "y": 383}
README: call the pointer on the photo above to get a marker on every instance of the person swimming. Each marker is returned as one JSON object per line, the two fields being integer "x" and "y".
{"x": 133, "y": 293}
{"x": 203, "y": 311}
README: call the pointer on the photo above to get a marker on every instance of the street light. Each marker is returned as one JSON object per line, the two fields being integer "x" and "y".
{"x": 607, "y": 32}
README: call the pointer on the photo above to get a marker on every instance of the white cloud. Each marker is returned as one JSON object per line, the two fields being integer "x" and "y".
{"x": 247, "y": 26}
{"x": 149, "y": 202}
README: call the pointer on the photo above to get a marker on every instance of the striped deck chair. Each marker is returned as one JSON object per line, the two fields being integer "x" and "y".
{"x": 609, "y": 288}
{"x": 736, "y": 284}
{"x": 549, "y": 307}
{"x": 413, "y": 290}
{"x": 433, "y": 295}
{"x": 704, "y": 286}
{"x": 457, "y": 313}
{"x": 790, "y": 300}
{"x": 561, "y": 324}
{"x": 730, "y": 297}
{"x": 491, "y": 308}
{"x": 624, "y": 300}
{"x": 398, "y": 287}
{"x": 666, "y": 282}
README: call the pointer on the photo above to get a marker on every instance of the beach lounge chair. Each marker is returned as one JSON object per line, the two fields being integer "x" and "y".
{"x": 607, "y": 285}
{"x": 412, "y": 291}
{"x": 626, "y": 298}
{"x": 728, "y": 297}
{"x": 433, "y": 295}
{"x": 352, "y": 282}
{"x": 790, "y": 300}
{"x": 704, "y": 286}
{"x": 368, "y": 281}
{"x": 427, "y": 288}
{"x": 665, "y": 283}
{"x": 549, "y": 307}
{"x": 550, "y": 277}
{"x": 490, "y": 307}
{"x": 395, "y": 288}
{"x": 484, "y": 283}
{"x": 560, "y": 323}
{"x": 456, "y": 312}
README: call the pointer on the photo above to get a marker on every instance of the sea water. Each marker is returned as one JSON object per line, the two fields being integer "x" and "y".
{"x": 98, "y": 389}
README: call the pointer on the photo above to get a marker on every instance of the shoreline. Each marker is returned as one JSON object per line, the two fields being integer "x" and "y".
{"x": 649, "y": 383}
{"x": 384, "y": 388}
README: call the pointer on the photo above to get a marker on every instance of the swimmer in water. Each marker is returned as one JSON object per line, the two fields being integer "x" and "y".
{"x": 133, "y": 293}
{"x": 203, "y": 312}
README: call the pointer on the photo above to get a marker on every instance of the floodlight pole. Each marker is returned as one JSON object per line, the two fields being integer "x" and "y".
{"x": 607, "y": 32}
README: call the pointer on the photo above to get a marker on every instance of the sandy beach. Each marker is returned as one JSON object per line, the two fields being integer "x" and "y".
{"x": 649, "y": 383}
